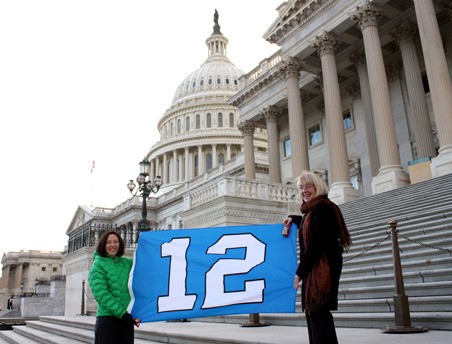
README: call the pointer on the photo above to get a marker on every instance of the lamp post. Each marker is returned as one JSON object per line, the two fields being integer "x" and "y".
{"x": 145, "y": 188}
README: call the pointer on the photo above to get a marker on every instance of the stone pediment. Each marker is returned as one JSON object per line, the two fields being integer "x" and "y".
{"x": 291, "y": 15}
{"x": 82, "y": 215}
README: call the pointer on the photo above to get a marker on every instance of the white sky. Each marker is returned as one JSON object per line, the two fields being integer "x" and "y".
{"x": 87, "y": 80}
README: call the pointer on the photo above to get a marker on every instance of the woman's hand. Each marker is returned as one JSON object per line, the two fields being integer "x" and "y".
{"x": 137, "y": 322}
{"x": 287, "y": 221}
{"x": 296, "y": 282}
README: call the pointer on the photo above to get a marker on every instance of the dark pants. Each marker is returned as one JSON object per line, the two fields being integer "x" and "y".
{"x": 111, "y": 330}
{"x": 321, "y": 327}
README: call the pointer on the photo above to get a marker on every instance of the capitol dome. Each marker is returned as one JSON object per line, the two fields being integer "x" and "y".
{"x": 216, "y": 74}
{"x": 198, "y": 132}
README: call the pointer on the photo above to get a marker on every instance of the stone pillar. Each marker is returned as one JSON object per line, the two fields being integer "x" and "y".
{"x": 152, "y": 174}
{"x": 391, "y": 175}
{"x": 439, "y": 82}
{"x": 228, "y": 152}
{"x": 157, "y": 166}
{"x": 165, "y": 168}
{"x": 271, "y": 114}
{"x": 201, "y": 162}
{"x": 359, "y": 61}
{"x": 186, "y": 165}
{"x": 174, "y": 176}
{"x": 341, "y": 189}
{"x": 214, "y": 156}
{"x": 297, "y": 130}
{"x": 247, "y": 128}
{"x": 405, "y": 35}
{"x": 181, "y": 167}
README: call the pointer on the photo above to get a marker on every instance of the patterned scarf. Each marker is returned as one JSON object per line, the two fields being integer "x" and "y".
{"x": 318, "y": 282}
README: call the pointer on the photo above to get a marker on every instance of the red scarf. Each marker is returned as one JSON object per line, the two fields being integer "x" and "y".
{"x": 318, "y": 282}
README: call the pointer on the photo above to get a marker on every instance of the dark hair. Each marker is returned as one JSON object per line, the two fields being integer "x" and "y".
{"x": 102, "y": 243}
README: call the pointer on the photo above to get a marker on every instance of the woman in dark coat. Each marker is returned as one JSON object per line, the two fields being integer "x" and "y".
{"x": 323, "y": 236}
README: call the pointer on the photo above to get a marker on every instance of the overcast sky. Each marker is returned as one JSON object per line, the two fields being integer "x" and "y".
{"x": 87, "y": 80}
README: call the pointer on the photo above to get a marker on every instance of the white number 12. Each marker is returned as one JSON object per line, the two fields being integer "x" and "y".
{"x": 215, "y": 295}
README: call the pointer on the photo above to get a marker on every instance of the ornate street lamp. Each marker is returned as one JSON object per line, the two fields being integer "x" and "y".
{"x": 145, "y": 187}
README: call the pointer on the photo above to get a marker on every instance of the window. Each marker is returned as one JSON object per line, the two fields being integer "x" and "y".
{"x": 198, "y": 122}
{"x": 55, "y": 269}
{"x": 171, "y": 128}
{"x": 347, "y": 119}
{"x": 231, "y": 120}
{"x": 43, "y": 268}
{"x": 208, "y": 161}
{"x": 209, "y": 120}
{"x": 315, "y": 135}
{"x": 220, "y": 120}
{"x": 196, "y": 165}
{"x": 287, "y": 148}
{"x": 187, "y": 124}
{"x": 220, "y": 158}
{"x": 178, "y": 126}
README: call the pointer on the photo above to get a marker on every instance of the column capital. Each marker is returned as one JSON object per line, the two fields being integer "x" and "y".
{"x": 247, "y": 127}
{"x": 394, "y": 70}
{"x": 354, "y": 90}
{"x": 327, "y": 43}
{"x": 405, "y": 33}
{"x": 367, "y": 15}
{"x": 319, "y": 80}
{"x": 271, "y": 113}
{"x": 290, "y": 67}
{"x": 358, "y": 58}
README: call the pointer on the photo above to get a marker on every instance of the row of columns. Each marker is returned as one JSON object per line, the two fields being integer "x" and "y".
{"x": 384, "y": 155}
{"x": 186, "y": 169}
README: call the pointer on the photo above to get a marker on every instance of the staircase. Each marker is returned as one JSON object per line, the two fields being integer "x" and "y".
{"x": 424, "y": 215}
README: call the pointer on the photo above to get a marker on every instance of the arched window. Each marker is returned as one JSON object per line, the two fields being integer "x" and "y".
{"x": 209, "y": 120}
{"x": 221, "y": 158}
{"x": 198, "y": 122}
{"x": 220, "y": 120}
{"x": 231, "y": 120}
{"x": 171, "y": 128}
{"x": 187, "y": 123}
{"x": 178, "y": 126}
{"x": 208, "y": 161}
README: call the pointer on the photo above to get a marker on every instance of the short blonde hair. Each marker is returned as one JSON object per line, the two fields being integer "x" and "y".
{"x": 313, "y": 178}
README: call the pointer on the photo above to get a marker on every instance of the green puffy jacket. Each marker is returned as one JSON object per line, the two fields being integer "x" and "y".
{"x": 108, "y": 278}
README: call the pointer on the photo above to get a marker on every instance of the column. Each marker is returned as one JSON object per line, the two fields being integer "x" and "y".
{"x": 404, "y": 36}
{"x": 390, "y": 175}
{"x": 174, "y": 177}
{"x": 271, "y": 114}
{"x": 201, "y": 162}
{"x": 439, "y": 82}
{"x": 341, "y": 189}
{"x": 187, "y": 177}
{"x": 152, "y": 174}
{"x": 214, "y": 156}
{"x": 247, "y": 128}
{"x": 181, "y": 167}
{"x": 228, "y": 152}
{"x": 297, "y": 131}
{"x": 157, "y": 166}
{"x": 359, "y": 61}
{"x": 165, "y": 168}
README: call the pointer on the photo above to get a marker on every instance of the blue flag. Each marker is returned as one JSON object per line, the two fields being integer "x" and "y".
{"x": 190, "y": 273}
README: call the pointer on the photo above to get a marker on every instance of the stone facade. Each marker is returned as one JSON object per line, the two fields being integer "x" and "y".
{"x": 346, "y": 96}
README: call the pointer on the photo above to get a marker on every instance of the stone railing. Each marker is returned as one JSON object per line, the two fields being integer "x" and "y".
{"x": 243, "y": 188}
{"x": 265, "y": 65}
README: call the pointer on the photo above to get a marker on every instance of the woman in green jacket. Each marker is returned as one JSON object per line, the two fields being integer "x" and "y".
{"x": 108, "y": 279}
